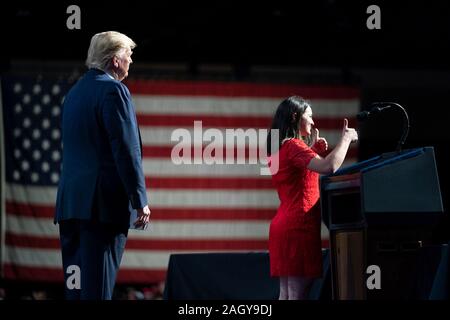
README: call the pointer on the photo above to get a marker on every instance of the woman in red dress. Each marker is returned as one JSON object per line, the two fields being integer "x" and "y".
{"x": 295, "y": 163}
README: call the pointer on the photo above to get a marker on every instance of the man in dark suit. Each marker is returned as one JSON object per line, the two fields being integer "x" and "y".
{"x": 102, "y": 182}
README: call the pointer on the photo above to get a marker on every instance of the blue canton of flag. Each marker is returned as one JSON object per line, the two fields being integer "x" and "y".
{"x": 32, "y": 113}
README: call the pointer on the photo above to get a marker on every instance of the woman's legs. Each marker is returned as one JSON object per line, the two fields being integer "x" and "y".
{"x": 294, "y": 288}
{"x": 283, "y": 288}
{"x": 298, "y": 287}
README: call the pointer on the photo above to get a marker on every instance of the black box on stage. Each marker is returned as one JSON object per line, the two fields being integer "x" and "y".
{"x": 380, "y": 213}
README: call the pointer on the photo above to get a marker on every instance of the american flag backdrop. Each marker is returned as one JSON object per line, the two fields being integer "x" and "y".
{"x": 195, "y": 207}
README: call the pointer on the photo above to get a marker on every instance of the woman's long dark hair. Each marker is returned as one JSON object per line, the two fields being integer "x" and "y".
{"x": 287, "y": 120}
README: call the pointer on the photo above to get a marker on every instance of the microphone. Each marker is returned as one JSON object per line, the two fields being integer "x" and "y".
{"x": 380, "y": 106}
{"x": 363, "y": 115}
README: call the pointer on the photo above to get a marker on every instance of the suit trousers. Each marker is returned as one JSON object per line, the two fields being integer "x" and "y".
{"x": 91, "y": 254}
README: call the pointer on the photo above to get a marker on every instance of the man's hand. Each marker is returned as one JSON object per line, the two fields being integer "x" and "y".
{"x": 319, "y": 145}
{"x": 143, "y": 218}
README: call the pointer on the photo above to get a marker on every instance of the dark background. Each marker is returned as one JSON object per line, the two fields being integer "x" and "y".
{"x": 321, "y": 41}
{"x": 414, "y": 34}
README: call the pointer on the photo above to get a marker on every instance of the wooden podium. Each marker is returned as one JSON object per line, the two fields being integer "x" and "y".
{"x": 380, "y": 212}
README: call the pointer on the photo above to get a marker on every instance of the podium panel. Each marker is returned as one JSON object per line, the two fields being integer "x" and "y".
{"x": 348, "y": 265}
{"x": 380, "y": 212}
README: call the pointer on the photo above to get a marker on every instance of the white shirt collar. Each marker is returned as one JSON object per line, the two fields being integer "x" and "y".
{"x": 110, "y": 75}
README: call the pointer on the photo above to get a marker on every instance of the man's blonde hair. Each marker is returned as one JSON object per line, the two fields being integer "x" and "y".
{"x": 104, "y": 46}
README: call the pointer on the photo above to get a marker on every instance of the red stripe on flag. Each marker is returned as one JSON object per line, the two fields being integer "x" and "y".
{"x": 46, "y": 274}
{"x": 150, "y": 151}
{"x": 158, "y": 213}
{"x": 29, "y": 210}
{"x": 211, "y": 214}
{"x": 209, "y": 183}
{"x": 169, "y": 120}
{"x": 140, "y": 276}
{"x": 25, "y": 241}
{"x": 187, "y": 121}
{"x": 198, "y": 244}
{"x": 227, "y": 89}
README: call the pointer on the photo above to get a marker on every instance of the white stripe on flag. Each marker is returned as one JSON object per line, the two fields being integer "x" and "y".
{"x": 162, "y": 198}
{"x": 163, "y": 168}
{"x": 157, "y": 136}
{"x": 174, "y": 229}
{"x": 157, "y": 167}
{"x": 138, "y": 259}
{"x": 215, "y": 199}
{"x": 132, "y": 259}
{"x": 229, "y": 106}
{"x": 30, "y": 194}
{"x": 33, "y": 257}
{"x": 160, "y": 230}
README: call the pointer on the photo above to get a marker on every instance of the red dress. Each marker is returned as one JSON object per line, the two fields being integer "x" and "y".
{"x": 294, "y": 236}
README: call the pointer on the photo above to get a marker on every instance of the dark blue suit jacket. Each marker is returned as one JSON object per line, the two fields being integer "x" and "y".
{"x": 102, "y": 177}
